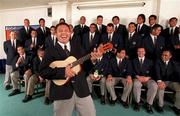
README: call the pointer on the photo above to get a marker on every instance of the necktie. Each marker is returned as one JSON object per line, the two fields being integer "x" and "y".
{"x": 27, "y": 30}
{"x": 119, "y": 64}
{"x": 116, "y": 28}
{"x": 171, "y": 31}
{"x": 53, "y": 40}
{"x": 91, "y": 37}
{"x": 66, "y": 50}
{"x": 82, "y": 26}
{"x": 141, "y": 62}
{"x": 13, "y": 45}
{"x": 130, "y": 35}
{"x": 138, "y": 28}
{"x": 100, "y": 28}
{"x": 155, "y": 39}
{"x": 109, "y": 37}
{"x": 23, "y": 59}
{"x": 44, "y": 31}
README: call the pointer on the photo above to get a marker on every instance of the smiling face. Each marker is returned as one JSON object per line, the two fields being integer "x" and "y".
{"x": 63, "y": 33}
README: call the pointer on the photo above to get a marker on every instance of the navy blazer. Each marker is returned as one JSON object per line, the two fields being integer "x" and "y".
{"x": 41, "y": 35}
{"x": 103, "y": 30}
{"x": 153, "y": 51}
{"x": 102, "y": 66}
{"x": 132, "y": 44}
{"x": 144, "y": 31}
{"x": 121, "y": 29}
{"x": 49, "y": 41}
{"x": 10, "y": 51}
{"x": 80, "y": 31}
{"x": 144, "y": 70}
{"x": 65, "y": 91}
{"x": 167, "y": 36}
{"x": 117, "y": 40}
{"x": 86, "y": 43}
{"x": 22, "y": 66}
{"x": 36, "y": 65}
{"x": 23, "y": 35}
{"x": 167, "y": 73}
{"x": 32, "y": 52}
{"x": 123, "y": 70}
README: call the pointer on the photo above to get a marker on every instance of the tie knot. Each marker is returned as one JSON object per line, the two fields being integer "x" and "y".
{"x": 65, "y": 46}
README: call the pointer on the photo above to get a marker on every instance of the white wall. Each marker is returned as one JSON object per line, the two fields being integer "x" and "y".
{"x": 15, "y": 17}
{"x": 168, "y": 9}
{"x": 164, "y": 8}
{"x": 126, "y": 14}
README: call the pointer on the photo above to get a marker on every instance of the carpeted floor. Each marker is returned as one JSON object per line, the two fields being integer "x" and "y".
{"x": 13, "y": 106}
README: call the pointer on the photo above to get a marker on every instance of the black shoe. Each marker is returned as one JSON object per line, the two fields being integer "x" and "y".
{"x": 46, "y": 101}
{"x": 14, "y": 92}
{"x": 176, "y": 111}
{"x": 149, "y": 109}
{"x": 113, "y": 102}
{"x": 27, "y": 98}
{"x": 8, "y": 87}
{"x": 160, "y": 109}
{"x": 137, "y": 107}
{"x": 125, "y": 104}
{"x": 103, "y": 99}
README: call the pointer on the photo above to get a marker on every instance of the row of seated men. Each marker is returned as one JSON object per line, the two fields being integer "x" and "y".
{"x": 134, "y": 74}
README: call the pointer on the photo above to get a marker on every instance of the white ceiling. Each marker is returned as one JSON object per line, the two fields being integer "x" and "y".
{"x": 9, "y": 4}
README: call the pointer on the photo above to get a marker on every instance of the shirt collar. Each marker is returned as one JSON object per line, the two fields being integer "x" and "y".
{"x": 67, "y": 44}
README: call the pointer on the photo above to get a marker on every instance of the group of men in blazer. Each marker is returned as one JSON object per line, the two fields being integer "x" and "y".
{"x": 142, "y": 56}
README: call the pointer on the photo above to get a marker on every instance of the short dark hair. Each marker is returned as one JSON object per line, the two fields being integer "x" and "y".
{"x": 62, "y": 24}
{"x": 120, "y": 49}
{"x": 155, "y": 27}
{"x": 132, "y": 23}
{"x": 167, "y": 50}
{"x": 93, "y": 24}
{"x": 110, "y": 25}
{"x": 154, "y": 16}
{"x": 62, "y": 19}
{"x": 173, "y": 19}
{"x": 143, "y": 17}
{"x": 41, "y": 19}
{"x": 99, "y": 16}
{"x": 115, "y": 17}
{"x": 52, "y": 27}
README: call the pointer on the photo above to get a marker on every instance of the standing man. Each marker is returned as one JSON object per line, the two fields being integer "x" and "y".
{"x": 81, "y": 28}
{"x": 141, "y": 27}
{"x": 25, "y": 31}
{"x": 51, "y": 39}
{"x": 32, "y": 44}
{"x": 91, "y": 39}
{"x": 10, "y": 50}
{"x": 73, "y": 95}
{"x": 115, "y": 38}
{"x": 99, "y": 26}
{"x": 154, "y": 43}
{"x": 42, "y": 31}
{"x": 132, "y": 41}
{"x": 119, "y": 28}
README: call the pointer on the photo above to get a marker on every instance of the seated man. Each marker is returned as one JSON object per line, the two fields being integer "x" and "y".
{"x": 142, "y": 69}
{"x": 35, "y": 78}
{"x": 167, "y": 72}
{"x": 120, "y": 71}
{"x": 21, "y": 67}
{"x": 99, "y": 73}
